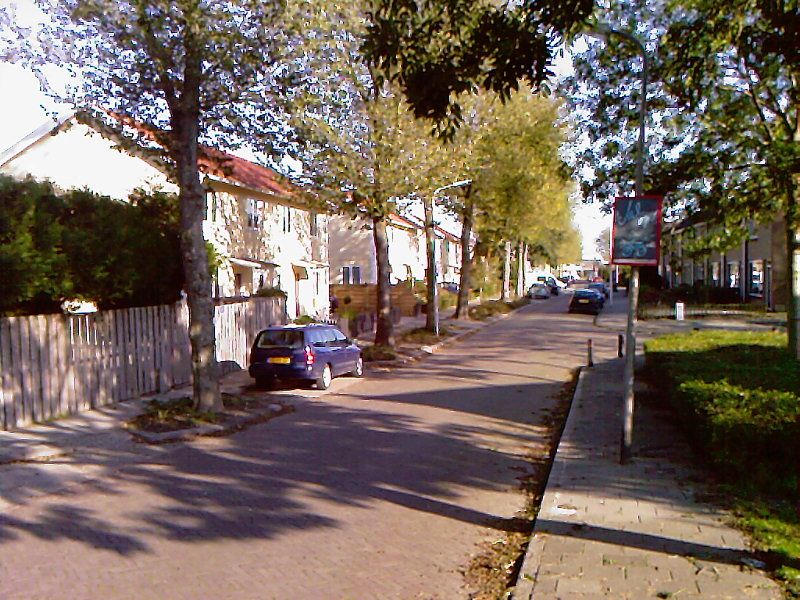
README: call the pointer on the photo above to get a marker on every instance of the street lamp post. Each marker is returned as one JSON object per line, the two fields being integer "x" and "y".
{"x": 626, "y": 442}
{"x": 431, "y": 248}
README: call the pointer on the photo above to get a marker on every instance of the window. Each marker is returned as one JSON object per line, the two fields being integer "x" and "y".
{"x": 733, "y": 274}
{"x": 286, "y": 218}
{"x": 254, "y": 213}
{"x": 280, "y": 338}
{"x": 715, "y": 274}
{"x": 756, "y": 277}
{"x": 212, "y": 200}
{"x": 339, "y": 339}
{"x": 351, "y": 275}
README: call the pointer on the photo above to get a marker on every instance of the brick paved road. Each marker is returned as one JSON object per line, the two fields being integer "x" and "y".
{"x": 382, "y": 488}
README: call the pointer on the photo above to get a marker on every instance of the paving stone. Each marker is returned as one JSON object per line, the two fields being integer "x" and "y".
{"x": 640, "y": 518}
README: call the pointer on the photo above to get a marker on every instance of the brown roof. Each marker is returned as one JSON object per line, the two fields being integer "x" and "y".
{"x": 249, "y": 174}
{"x": 220, "y": 164}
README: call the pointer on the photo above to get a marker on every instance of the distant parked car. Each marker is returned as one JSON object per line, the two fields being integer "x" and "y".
{"x": 551, "y": 283}
{"x": 538, "y": 290}
{"x": 313, "y": 353}
{"x": 599, "y": 286}
{"x": 586, "y": 301}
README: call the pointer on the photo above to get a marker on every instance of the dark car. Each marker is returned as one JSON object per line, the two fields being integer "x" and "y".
{"x": 313, "y": 353}
{"x": 586, "y": 301}
{"x": 600, "y": 287}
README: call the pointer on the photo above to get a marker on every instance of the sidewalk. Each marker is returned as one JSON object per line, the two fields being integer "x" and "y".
{"x": 632, "y": 531}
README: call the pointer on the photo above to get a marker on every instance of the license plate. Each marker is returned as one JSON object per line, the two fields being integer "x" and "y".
{"x": 583, "y": 301}
{"x": 279, "y": 360}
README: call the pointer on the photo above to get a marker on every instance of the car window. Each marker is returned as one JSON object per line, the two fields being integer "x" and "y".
{"x": 280, "y": 338}
{"x": 315, "y": 337}
{"x": 341, "y": 339}
{"x": 328, "y": 336}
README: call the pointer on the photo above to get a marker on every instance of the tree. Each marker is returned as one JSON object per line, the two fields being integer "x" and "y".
{"x": 363, "y": 150}
{"x": 725, "y": 139}
{"x": 187, "y": 72}
{"x": 524, "y": 189}
{"x": 441, "y": 50}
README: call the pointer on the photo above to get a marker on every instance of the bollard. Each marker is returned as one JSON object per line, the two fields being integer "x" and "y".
{"x": 620, "y": 343}
{"x": 680, "y": 311}
{"x": 589, "y": 361}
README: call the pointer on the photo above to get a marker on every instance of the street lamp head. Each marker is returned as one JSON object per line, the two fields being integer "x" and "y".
{"x": 461, "y": 183}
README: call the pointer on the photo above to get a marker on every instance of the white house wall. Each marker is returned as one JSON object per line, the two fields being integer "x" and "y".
{"x": 79, "y": 157}
{"x": 235, "y": 235}
{"x": 351, "y": 244}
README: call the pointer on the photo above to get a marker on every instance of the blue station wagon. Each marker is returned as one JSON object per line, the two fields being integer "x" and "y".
{"x": 314, "y": 353}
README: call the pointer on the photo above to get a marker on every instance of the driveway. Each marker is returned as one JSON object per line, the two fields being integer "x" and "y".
{"x": 379, "y": 488}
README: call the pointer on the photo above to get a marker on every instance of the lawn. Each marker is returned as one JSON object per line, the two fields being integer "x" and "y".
{"x": 742, "y": 391}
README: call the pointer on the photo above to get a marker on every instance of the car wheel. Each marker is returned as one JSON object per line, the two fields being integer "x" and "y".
{"x": 325, "y": 378}
{"x": 359, "y": 370}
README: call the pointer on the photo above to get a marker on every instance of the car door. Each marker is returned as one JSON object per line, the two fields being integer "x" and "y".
{"x": 345, "y": 362}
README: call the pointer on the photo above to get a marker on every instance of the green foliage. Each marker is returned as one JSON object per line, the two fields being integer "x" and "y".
{"x": 379, "y": 352}
{"x": 271, "y": 292}
{"x": 421, "y": 335}
{"x": 30, "y": 235}
{"x": 169, "y": 415}
{"x": 82, "y": 245}
{"x": 493, "y": 308}
{"x": 739, "y": 395}
{"x": 441, "y": 51}
{"x": 304, "y": 320}
{"x": 522, "y": 188}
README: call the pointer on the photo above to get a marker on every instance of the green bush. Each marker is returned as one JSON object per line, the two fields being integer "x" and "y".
{"x": 373, "y": 353}
{"x": 491, "y": 308}
{"x": 747, "y": 431}
{"x": 304, "y": 320}
{"x": 738, "y": 395}
{"x": 271, "y": 292}
{"x": 81, "y": 245}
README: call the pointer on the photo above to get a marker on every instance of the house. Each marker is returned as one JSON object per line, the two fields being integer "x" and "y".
{"x": 753, "y": 269}
{"x": 264, "y": 233}
{"x": 352, "y": 250}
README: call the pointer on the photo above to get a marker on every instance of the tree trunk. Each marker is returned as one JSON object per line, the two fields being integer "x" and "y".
{"x": 520, "y": 269}
{"x": 185, "y": 120}
{"x": 430, "y": 277}
{"x": 506, "y": 291}
{"x": 465, "y": 282}
{"x": 384, "y": 331}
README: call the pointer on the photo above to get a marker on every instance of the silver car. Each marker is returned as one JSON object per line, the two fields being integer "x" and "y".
{"x": 539, "y": 290}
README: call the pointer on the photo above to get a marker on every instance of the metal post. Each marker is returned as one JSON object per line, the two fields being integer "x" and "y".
{"x": 633, "y": 286}
{"x": 589, "y": 361}
{"x": 620, "y": 345}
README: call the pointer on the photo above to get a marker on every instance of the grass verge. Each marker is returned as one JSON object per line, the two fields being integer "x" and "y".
{"x": 739, "y": 394}
{"x": 483, "y": 311}
{"x": 179, "y": 413}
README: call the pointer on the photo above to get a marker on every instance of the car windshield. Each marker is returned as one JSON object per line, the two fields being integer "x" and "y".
{"x": 598, "y": 286}
{"x": 585, "y": 293}
{"x": 280, "y": 338}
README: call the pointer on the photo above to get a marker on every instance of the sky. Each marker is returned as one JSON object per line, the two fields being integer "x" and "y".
{"x": 24, "y": 108}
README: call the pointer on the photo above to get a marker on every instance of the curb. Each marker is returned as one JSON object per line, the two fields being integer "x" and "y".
{"x": 237, "y": 423}
{"x": 526, "y": 579}
{"x": 424, "y": 351}
{"x": 31, "y": 453}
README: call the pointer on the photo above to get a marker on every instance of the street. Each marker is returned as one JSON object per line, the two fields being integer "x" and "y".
{"x": 380, "y": 488}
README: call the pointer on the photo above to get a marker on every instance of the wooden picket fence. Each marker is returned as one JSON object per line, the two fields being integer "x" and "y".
{"x": 55, "y": 365}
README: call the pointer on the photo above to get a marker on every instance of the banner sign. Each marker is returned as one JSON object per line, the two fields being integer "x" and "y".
{"x": 636, "y": 236}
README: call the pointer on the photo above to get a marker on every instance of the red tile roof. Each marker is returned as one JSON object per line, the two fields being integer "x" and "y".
{"x": 217, "y": 163}
{"x": 249, "y": 174}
